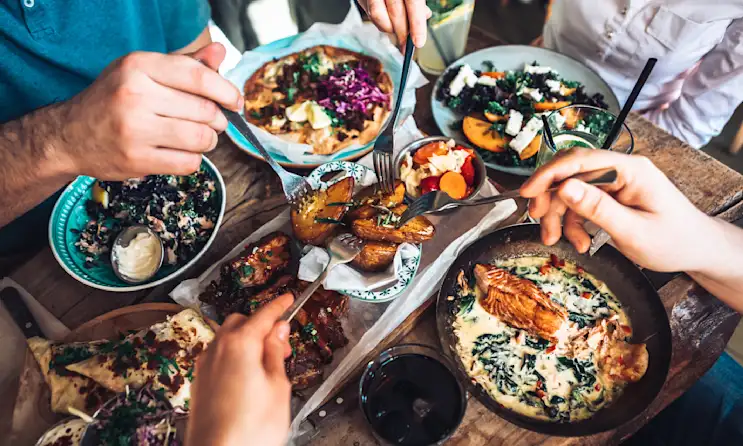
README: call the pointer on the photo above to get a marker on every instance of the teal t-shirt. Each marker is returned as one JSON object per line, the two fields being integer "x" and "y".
{"x": 50, "y": 50}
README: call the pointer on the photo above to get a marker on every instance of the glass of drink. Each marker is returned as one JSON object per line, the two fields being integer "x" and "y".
{"x": 448, "y": 29}
{"x": 410, "y": 396}
{"x": 582, "y": 126}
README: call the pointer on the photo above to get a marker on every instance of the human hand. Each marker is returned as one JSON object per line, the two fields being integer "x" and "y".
{"x": 147, "y": 113}
{"x": 399, "y": 17}
{"x": 240, "y": 393}
{"x": 650, "y": 220}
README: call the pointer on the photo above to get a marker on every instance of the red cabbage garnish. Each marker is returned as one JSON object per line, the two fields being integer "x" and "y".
{"x": 350, "y": 91}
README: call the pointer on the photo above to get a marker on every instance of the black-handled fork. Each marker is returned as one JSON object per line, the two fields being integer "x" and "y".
{"x": 383, "y": 147}
{"x": 439, "y": 200}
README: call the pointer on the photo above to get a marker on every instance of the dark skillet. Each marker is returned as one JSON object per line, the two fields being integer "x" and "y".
{"x": 638, "y": 297}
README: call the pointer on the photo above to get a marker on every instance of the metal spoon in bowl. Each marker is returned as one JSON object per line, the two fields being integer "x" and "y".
{"x": 137, "y": 254}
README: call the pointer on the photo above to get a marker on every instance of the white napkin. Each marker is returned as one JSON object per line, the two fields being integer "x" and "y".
{"x": 346, "y": 277}
{"x": 353, "y": 35}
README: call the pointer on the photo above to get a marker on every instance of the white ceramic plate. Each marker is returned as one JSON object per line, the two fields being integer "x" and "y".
{"x": 514, "y": 57}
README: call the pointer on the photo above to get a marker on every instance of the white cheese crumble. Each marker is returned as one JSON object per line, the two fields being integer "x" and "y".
{"x": 487, "y": 80}
{"x": 535, "y": 69}
{"x": 554, "y": 85}
{"x": 309, "y": 111}
{"x": 465, "y": 76}
{"x": 531, "y": 92}
{"x": 526, "y": 135}
{"x": 515, "y": 120}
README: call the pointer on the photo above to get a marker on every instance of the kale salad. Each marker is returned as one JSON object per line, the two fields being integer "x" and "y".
{"x": 501, "y": 110}
{"x": 181, "y": 210}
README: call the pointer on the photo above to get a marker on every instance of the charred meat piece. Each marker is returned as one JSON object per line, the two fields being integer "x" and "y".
{"x": 268, "y": 256}
{"x": 282, "y": 285}
{"x": 337, "y": 302}
{"x": 320, "y": 319}
{"x": 518, "y": 302}
{"x": 304, "y": 366}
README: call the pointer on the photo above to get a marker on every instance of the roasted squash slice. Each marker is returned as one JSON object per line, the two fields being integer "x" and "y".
{"x": 417, "y": 230}
{"x": 375, "y": 256}
{"x": 532, "y": 148}
{"x": 318, "y": 215}
{"x": 492, "y": 117}
{"x": 548, "y": 106}
{"x": 371, "y": 196}
{"x": 481, "y": 134}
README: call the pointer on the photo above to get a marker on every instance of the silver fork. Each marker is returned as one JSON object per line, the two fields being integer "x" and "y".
{"x": 295, "y": 186}
{"x": 342, "y": 249}
{"x": 438, "y": 200}
{"x": 384, "y": 145}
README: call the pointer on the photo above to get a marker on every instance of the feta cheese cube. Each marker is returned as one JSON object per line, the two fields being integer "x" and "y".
{"x": 526, "y": 135}
{"x": 532, "y": 93}
{"x": 487, "y": 80}
{"x": 515, "y": 120}
{"x": 536, "y": 69}
{"x": 465, "y": 76}
{"x": 553, "y": 85}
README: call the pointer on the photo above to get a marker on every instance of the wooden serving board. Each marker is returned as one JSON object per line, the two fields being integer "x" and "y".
{"x": 32, "y": 415}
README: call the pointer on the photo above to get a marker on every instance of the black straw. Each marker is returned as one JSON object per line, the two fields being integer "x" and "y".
{"x": 609, "y": 141}
{"x": 548, "y": 132}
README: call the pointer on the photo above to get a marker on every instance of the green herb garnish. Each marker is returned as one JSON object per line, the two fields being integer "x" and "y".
{"x": 496, "y": 108}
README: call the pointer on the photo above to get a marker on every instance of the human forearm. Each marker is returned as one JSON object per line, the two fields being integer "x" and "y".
{"x": 31, "y": 167}
{"x": 721, "y": 262}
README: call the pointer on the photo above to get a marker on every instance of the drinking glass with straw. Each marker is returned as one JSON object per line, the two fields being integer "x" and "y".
{"x": 574, "y": 126}
{"x": 448, "y": 29}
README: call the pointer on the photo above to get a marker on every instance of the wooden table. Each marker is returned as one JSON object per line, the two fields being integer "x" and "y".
{"x": 701, "y": 325}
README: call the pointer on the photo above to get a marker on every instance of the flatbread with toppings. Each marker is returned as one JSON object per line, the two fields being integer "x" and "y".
{"x": 69, "y": 433}
{"x": 68, "y": 389}
{"x": 163, "y": 354}
{"x": 327, "y": 97}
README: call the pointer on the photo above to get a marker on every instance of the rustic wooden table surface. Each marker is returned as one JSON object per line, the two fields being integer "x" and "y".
{"x": 701, "y": 325}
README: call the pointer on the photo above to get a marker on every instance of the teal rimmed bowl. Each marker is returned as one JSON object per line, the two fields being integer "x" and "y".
{"x": 69, "y": 213}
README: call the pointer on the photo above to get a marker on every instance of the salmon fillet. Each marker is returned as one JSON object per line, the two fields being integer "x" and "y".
{"x": 518, "y": 302}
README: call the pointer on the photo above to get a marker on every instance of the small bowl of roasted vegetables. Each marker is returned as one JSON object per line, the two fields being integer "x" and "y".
{"x": 440, "y": 163}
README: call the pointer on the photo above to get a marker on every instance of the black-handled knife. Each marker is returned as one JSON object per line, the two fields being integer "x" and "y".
{"x": 20, "y": 313}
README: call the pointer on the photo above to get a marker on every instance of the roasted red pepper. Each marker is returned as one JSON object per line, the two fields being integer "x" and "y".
{"x": 429, "y": 184}
{"x": 468, "y": 171}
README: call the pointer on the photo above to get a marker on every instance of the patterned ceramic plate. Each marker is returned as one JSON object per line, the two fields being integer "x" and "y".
{"x": 69, "y": 214}
{"x": 409, "y": 266}
{"x": 514, "y": 57}
{"x": 281, "y": 48}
